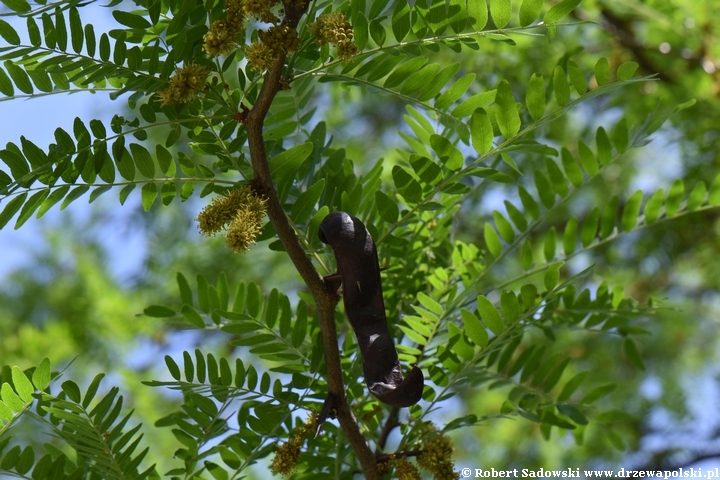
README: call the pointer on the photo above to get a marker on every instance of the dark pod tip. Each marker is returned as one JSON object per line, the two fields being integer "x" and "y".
{"x": 339, "y": 227}
{"x": 408, "y": 393}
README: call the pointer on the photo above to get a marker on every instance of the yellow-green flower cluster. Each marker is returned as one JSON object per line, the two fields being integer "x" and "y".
{"x": 184, "y": 85}
{"x": 276, "y": 40}
{"x": 405, "y": 470}
{"x": 220, "y": 39}
{"x": 262, "y": 9}
{"x": 436, "y": 457}
{"x": 239, "y": 213}
{"x": 288, "y": 454}
{"x": 334, "y": 28}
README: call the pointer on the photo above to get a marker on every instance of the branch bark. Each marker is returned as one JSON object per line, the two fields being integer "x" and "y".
{"x": 325, "y": 299}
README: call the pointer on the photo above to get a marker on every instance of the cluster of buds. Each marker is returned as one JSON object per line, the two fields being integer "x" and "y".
{"x": 277, "y": 40}
{"x": 238, "y": 213}
{"x": 288, "y": 454}
{"x": 184, "y": 85}
{"x": 262, "y": 10}
{"x": 404, "y": 470}
{"x": 436, "y": 457}
{"x": 334, "y": 28}
{"x": 220, "y": 38}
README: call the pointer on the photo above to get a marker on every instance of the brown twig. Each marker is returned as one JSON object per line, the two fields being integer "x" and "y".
{"x": 325, "y": 299}
{"x": 390, "y": 456}
{"x": 390, "y": 423}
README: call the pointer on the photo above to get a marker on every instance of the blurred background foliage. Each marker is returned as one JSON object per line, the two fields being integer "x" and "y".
{"x": 69, "y": 302}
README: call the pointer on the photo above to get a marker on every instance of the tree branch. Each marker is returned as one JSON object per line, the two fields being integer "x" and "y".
{"x": 390, "y": 423}
{"x": 325, "y": 299}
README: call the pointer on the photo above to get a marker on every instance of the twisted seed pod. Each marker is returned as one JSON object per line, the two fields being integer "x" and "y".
{"x": 359, "y": 272}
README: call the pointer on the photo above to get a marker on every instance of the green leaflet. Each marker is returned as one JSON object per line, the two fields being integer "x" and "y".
{"x": 697, "y": 196}
{"x": 560, "y": 10}
{"x": 550, "y": 245}
{"x": 305, "y": 203}
{"x": 529, "y": 11}
{"x": 570, "y": 236}
{"x": 652, "y": 207}
{"x": 506, "y": 111}
{"x": 572, "y": 169}
{"x": 602, "y": 71}
{"x": 492, "y": 240}
{"x": 556, "y": 177}
{"x": 420, "y": 79}
{"x": 477, "y": 14}
{"x": 438, "y": 82}
{"x": 489, "y": 314}
{"x": 287, "y": 162}
{"x": 428, "y": 171}
{"x": 545, "y": 191}
{"x": 8, "y": 33}
{"x": 589, "y": 228}
{"x": 609, "y": 218}
{"x": 481, "y": 131}
{"x": 448, "y": 154}
{"x": 387, "y": 208}
{"x": 620, "y": 139}
{"x": 714, "y": 193}
{"x": 149, "y": 194}
{"x": 577, "y": 78}
{"x": 437, "y": 16}
{"x": 470, "y": 104}
{"x": 587, "y": 159}
{"x": 561, "y": 86}
{"x": 529, "y": 203}
{"x": 503, "y": 226}
{"x": 535, "y": 97}
{"x": 455, "y": 91}
{"x": 473, "y": 328}
{"x": 500, "y": 11}
{"x": 19, "y": 77}
{"x": 32, "y": 204}
{"x": 407, "y": 186}
{"x": 143, "y": 160}
{"x": 627, "y": 70}
{"x": 457, "y": 15}
{"x": 516, "y": 216}
{"x": 674, "y": 198}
